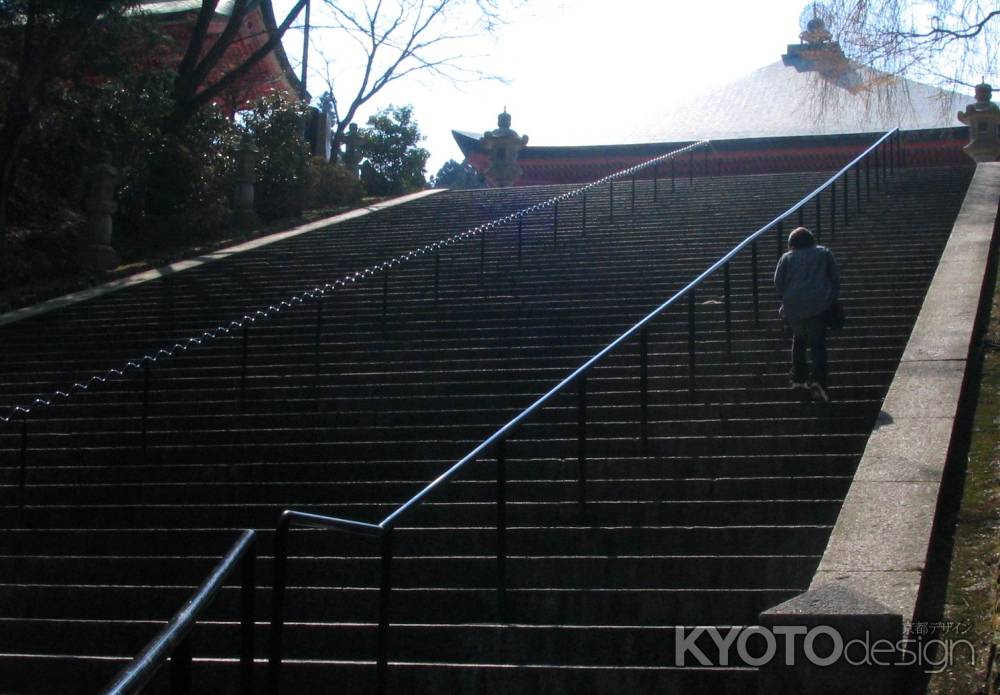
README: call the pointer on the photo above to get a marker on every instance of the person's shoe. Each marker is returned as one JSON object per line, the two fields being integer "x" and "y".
{"x": 799, "y": 385}
{"x": 819, "y": 392}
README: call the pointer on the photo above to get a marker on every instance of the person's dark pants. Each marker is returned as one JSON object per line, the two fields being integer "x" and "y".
{"x": 810, "y": 332}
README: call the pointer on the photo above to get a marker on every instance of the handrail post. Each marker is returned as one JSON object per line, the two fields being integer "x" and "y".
{"x": 644, "y": 387}
{"x": 656, "y": 182}
{"x": 833, "y": 210}
{"x": 802, "y": 213}
{"x": 755, "y": 282}
{"x": 317, "y": 339}
{"x": 819, "y": 216}
{"x": 868, "y": 178}
{"x": 502, "y": 529}
{"x": 779, "y": 237}
{"x": 385, "y": 290}
{"x": 728, "y": 310}
{"x": 146, "y": 382}
{"x": 704, "y": 162}
{"x": 584, "y": 214}
{"x": 520, "y": 238}
{"x": 22, "y": 476}
{"x": 482, "y": 257}
{"x": 847, "y": 198}
{"x": 691, "y": 166}
{"x": 878, "y": 170}
{"x": 857, "y": 186}
{"x": 180, "y": 668}
{"x": 555, "y": 225}
{"x": 611, "y": 200}
{"x": 691, "y": 347}
{"x": 247, "y": 623}
{"x": 581, "y": 437}
{"x": 633, "y": 192}
{"x": 437, "y": 272}
{"x": 673, "y": 174}
{"x": 243, "y": 368}
{"x": 385, "y": 590}
{"x": 275, "y": 638}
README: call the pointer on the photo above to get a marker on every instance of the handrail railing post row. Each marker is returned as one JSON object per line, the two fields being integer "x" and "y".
{"x": 691, "y": 338}
{"x": 248, "y": 589}
{"x": 644, "y": 387}
{"x": 581, "y": 438}
{"x": 180, "y": 668}
{"x": 502, "y": 529}
{"x": 755, "y": 282}
{"x": 727, "y": 305}
{"x": 384, "y": 595}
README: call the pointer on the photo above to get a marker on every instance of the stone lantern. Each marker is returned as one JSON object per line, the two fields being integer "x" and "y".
{"x": 246, "y": 175}
{"x": 503, "y": 146}
{"x": 983, "y": 119}
{"x": 100, "y": 205}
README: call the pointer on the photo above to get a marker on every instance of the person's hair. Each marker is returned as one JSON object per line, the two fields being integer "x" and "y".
{"x": 801, "y": 238}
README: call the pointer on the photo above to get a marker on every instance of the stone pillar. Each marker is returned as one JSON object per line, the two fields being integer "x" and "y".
{"x": 97, "y": 252}
{"x": 503, "y": 146}
{"x": 983, "y": 119}
{"x": 244, "y": 215}
{"x": 319, "y": 121}
{"x": 833, "y": 640}
{"x": 352, "y": 158}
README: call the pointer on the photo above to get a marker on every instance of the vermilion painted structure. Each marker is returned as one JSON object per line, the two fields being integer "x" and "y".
{"x": 809, "y": 111}
{"x": 273, "y": 73}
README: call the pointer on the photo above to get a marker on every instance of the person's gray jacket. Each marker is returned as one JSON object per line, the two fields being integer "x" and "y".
{"x": 808, "y": 281}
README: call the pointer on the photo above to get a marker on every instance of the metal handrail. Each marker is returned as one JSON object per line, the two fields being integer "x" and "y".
{"x": 319, "y": 292}
{"x": 383, "y": 530}
{"x": 173, "y": 642}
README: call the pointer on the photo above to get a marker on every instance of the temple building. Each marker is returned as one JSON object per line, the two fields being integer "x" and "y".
{"x": 809, "y": 110}
{"x": 272, "y": 73}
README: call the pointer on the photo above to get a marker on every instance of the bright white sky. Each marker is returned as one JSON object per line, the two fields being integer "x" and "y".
{"x": 575, "y": 67}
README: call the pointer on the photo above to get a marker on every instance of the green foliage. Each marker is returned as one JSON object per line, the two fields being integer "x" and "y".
{"x": 458, "y": 175}
{"x": 276, "y": 124}
{"x": 392, "y": 163}
{"x": 328, "y": 184}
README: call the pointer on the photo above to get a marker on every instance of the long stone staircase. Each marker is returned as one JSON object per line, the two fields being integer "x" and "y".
{"x": 725, "y": 514}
